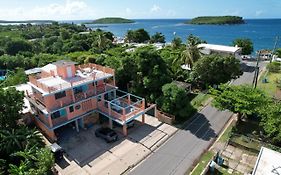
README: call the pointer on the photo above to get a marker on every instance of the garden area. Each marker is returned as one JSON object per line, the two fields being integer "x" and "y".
{"x": 270, "y": 81}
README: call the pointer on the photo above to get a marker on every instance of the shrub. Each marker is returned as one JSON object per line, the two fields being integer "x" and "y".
{"x": 274, "y": 67}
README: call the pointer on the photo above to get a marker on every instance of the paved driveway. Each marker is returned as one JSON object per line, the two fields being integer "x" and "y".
{"x": 87, "y": 154}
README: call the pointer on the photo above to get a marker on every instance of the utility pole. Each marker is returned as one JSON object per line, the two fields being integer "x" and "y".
{"x": 274, "y": 48}
{"x": 257, "y": 69}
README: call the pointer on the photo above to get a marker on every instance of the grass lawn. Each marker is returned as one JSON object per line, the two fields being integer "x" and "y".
{"x": 270, "y": 87}
{"x": 200, "y": 100}
{"x": 205, "y": 159}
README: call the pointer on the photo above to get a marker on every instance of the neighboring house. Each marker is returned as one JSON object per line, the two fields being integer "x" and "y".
{"x": 63, "y": 93}
{"x": 208, "y": 49}
{"x": 268, "y": 163}
{"x": 265, "y": 54}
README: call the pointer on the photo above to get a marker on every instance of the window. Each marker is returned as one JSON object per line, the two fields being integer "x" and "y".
{"x": 55, "y": 115}
{"x": 71, "y": 109}
{"x": 60, "y": 95}
{"x": 80, "y": 89}
{"x": 58, "y": 114}
{"x": 77, "y": 107}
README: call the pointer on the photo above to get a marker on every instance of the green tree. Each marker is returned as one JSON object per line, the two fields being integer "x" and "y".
{"x": 14, "y": 78}
{"x": 243, "y": 99}
{"x": 246, "y": 45}
{"x": 174, "y": 100}
{"x": 216, "y": 69}
{"x": 151, "y": 73}
{"x": 15, "y": 46}
{"x": 35, "y": 161}
{"x": 157, "y": 38}
{"x": 13, "y": 140}
{"x": 191, "y": 54}
{"x": 274, "y": 67}
{"x": 271, "y": 121}
{"x": 10, "y": 106}
{"x": 176, "y": 43}
{"x": 278, "y": 52}
{"x": 138, "y": 36}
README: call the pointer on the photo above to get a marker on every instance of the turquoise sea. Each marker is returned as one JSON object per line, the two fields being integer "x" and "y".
{"x": 261, "y": 31}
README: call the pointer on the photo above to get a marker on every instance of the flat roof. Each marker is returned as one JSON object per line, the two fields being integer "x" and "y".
{"x": 33, "y": 71}
{"x": 268, "y": 162}
{"x": 221, "y": 48}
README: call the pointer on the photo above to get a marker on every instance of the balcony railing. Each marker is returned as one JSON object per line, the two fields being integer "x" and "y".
{"x": 122, "y": 108}
{"x": 59, "y": 121}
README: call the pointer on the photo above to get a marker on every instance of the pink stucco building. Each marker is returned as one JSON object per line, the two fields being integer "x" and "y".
{"x": 63, "y": 93}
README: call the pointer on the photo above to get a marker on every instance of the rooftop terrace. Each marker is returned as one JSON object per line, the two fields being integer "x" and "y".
{"x": 48, "y": 83}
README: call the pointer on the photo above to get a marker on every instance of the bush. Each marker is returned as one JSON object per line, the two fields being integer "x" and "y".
{"x": 274, "y": 67}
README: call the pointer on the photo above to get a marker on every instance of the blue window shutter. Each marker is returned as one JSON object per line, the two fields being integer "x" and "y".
{"x": 63, "y": 112}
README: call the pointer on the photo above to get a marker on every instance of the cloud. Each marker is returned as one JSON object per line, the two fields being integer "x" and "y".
{"x": 69, "y": 9}
{"x": 155, "y": 8}
{"x": 259, "y": 12}
{"x": 128, "y": 11}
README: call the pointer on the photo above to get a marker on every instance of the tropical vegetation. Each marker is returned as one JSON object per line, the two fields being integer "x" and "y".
{"x": 110, "y": 20}
{"x": 22, "y": 150}
{"x": 216, "y": 20}
{"x": 246, "y": 45}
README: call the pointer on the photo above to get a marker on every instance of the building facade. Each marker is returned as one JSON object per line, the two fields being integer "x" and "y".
{"x": 64, "y": 93}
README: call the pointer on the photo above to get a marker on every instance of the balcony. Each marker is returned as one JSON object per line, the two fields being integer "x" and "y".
{"x": 123, "y": 107}
{"x": 59, "y": 121}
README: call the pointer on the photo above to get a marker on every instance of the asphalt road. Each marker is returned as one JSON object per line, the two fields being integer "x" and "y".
{"x": 179, "y": 152}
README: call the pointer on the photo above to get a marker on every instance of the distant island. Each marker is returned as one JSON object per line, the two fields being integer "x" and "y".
{"x": 28, "y": 21}
{"x": 111, "y": 20}
{"x": 216, "y": 20}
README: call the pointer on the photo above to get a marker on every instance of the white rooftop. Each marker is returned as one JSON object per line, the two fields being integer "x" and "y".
{"x": 268, "y": 162}
{"x": 49, "y": 67}
{"x": 222, "y": 48}
{"x": 33, "y": 71}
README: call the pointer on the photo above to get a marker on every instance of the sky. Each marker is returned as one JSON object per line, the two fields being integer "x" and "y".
{"x": 135, "y": 9}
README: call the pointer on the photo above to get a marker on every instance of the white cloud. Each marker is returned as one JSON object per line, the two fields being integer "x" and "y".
{"x": 70, "y": 9}
{"x": 258, "y": 12}
{"x": 128, "y": 11}
{"x": 155, "y": 8}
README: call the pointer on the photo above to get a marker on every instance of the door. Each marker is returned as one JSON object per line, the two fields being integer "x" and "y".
{"x": 69, "y": 72}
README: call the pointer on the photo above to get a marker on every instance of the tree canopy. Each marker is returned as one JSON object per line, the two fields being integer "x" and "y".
{"x": 151, "y": 73}
{"x": 174, "y": 100}
{"x": 239, "y": 99}
{"x": 10, "y": 106}
{"x": 216, "y": 69}
{"x": 137, "y": 36}
{"x": 157, "y": 38}
{"x": 246, "y": 45}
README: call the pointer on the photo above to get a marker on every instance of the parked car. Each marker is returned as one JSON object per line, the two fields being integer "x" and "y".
{"x": 107, "y": 134}
{"x": 130, "y": 124}
{"x": 57, "y": 151}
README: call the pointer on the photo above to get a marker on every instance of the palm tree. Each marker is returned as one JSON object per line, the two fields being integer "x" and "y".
{"x": 102, "y": 41}
{"x": 11, "y": 141}
{"x": 191, "y": 54}
{"x": 17, "y": 139}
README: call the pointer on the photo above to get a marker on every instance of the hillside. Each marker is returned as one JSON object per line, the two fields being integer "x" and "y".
{"x": 216, "y": 20}
{"x": 111, "y": 20}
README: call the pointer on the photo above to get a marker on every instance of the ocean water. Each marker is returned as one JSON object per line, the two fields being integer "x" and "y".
{"x": 261, "y": 31}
